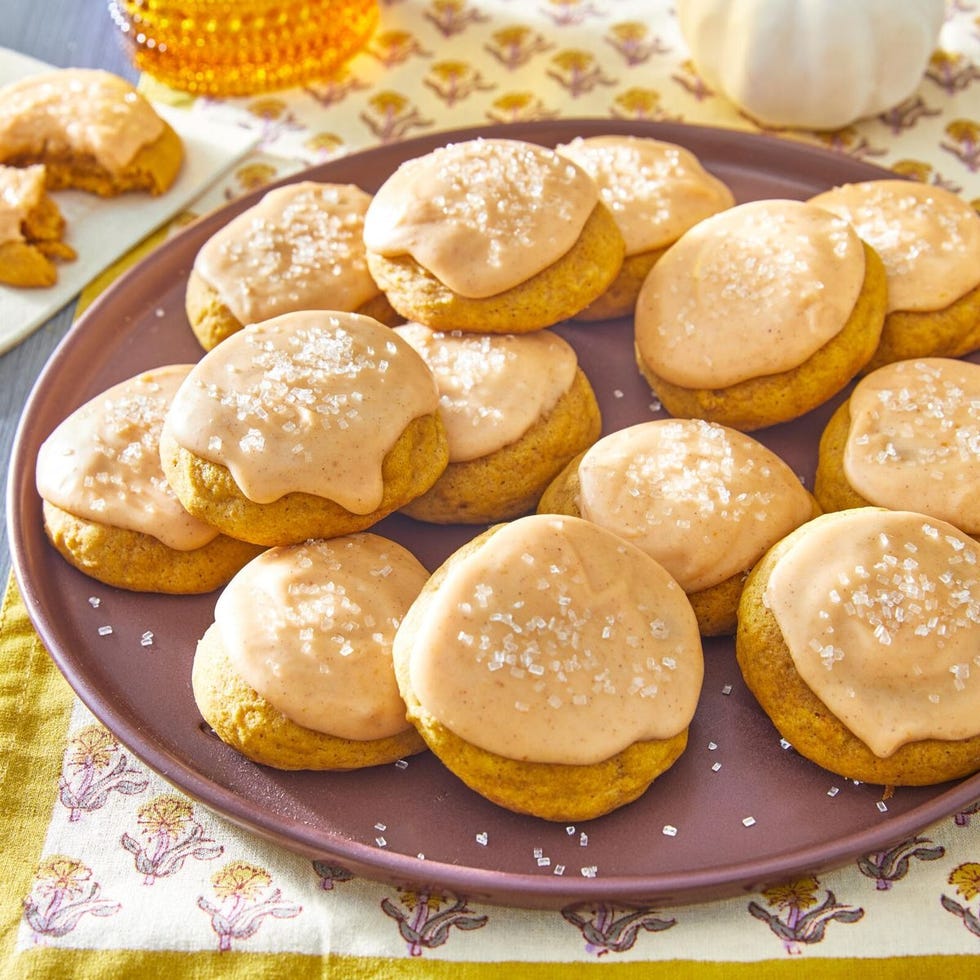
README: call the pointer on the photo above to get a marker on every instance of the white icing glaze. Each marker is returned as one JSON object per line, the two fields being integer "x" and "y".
{"x": 310, "y": 627}
{"x": 749, "y": 292}
{"x": 483, "y": 215}
{"x": 556, "y": 641}
{"x": 493, "y": 388}
{"x": 881, "y": 613}
{"x": 102, "y": 463}
{"x": 914, "y": 439}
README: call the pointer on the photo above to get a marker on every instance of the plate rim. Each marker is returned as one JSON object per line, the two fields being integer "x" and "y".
{"x": 518, "y": 888}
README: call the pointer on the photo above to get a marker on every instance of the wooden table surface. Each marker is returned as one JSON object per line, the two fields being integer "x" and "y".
{"x": 68, "y": 34}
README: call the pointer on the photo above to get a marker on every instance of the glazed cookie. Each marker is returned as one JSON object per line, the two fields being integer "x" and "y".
{"x": 907, "y": 438}
{"x": 107, "y": 507}
{"x": 704, "y": 500}
{"x": 308, "y": 425}
{"x": 491, "y": 236}
{"x": 31, "y": 229}
{"x": 295, "y": 672}
{"x": 299, "y": 248}
{"x": 759, "y": 314}
{"x": 551, "y": 666}
{"x": 656, "y": 191}
{"x": 858, "y": 634}
{"x": 91, "y": 129}
{"x": 929, "y": 241}
{"x": 516, "y": 408}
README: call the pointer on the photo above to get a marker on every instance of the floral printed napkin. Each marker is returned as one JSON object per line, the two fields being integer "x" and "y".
{"x": 108, "y": 871}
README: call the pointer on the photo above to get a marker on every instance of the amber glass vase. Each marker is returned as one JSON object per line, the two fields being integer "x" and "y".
{"x": 241, "y": 47}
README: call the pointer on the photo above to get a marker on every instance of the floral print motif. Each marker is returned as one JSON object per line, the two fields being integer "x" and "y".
{"x": 423, "y": 922}
{"x": 330, "y": 873}
{"x": 172, "y": 836}
{"x": 965, "y": 879}
{"x": 805, "y": 921}
{"x": 608, "y": 928}
{"x": 94, "y": 767}
{"x": 887, "y": 867}
{"x": 63, "y": 893}
{"x": 245, "y": 899}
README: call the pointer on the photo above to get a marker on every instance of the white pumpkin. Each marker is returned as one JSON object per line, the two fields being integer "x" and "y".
{"x": 816, "y": 64}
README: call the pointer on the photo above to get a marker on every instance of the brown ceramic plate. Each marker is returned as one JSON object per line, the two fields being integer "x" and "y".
{"x": 737, "y": 812}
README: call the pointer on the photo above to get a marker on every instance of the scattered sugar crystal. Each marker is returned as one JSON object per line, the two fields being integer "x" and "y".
{"x": 882, "y": 806}
{"x": 538, "y": 852}
{"x": 401, "y": 764}
{"x": 583, "y": 839}
{"x": 94, "y": 601}
{"x": 784, "y": 744}
{"x": 590, "y": 872}
{"x": 482, "y": 838}
{"x": 544, "y": 862}
{"x": 748, "y": 821}
{"x": 833, "y": 791}
{"x": 146, "y": 640}
{"x": 716, "y": 767}
{"x": 669, "y": 830}
{"x": 105, "y": 630}
{"x": 727, "y": 689}
{"x": 559, "y": 869}
{"x": 617, "y": 393}
{"x": 380, "y": 826}
{"x": 380, "y": 841}
{"x": 570, "y": 830}
{"x": 712, "y": 746}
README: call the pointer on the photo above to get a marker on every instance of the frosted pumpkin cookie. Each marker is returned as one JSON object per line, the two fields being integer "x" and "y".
{"x": 308, "y": 425}
{"x": 295, "y": 672}
{"x": 516, "y": 408}
{"x": 759, "y": 314}
{"x": 929, "y": 241}
{"x": 551, "y": 666}
{"x": 107, "y": 506}
{"x": 907, "y": 438}
{"x": 492, "y": 236}
{"x": 858, "y": 634}
{"x": 704, "y": 500}
{"x": 31, "y": 229}
{"x": 91, "y": 129}
{"x": 655, "y": 191}
{"x": 300, "y": 247}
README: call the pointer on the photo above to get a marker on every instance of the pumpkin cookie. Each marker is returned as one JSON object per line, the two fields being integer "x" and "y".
{"x": 517, "y": 408}
{"x": 31, "y": 229}
{"x": 295, "y": 672}
{"x": 656, "y": 191}
{"x": 308, "y": 425}
{"x": 703, "y": 500}
{"x": 759, "y": 314}
{"x": 107, "y": 507}
{"x": 553, "y": 667}
{"x": 491, "y": 236}
{"x": 299, "y": 248}
{"x": 857, "y": 634}
{"x": 91, "y": 129}
{"x": 907, "y": 438}
{"x": 929, "y": 241}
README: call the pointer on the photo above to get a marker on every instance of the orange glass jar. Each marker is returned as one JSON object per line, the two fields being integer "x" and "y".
{"x": 241, "y": 47}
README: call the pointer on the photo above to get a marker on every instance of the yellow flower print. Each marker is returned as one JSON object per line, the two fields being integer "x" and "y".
{"x": 92, "y": 746}
{"x": 966, "y": 880}
{"x": 166, "y": 815}
{"x": 240, "y": 880}
{"x": 62, "y": 875}
{"x": 800, "y": 894}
